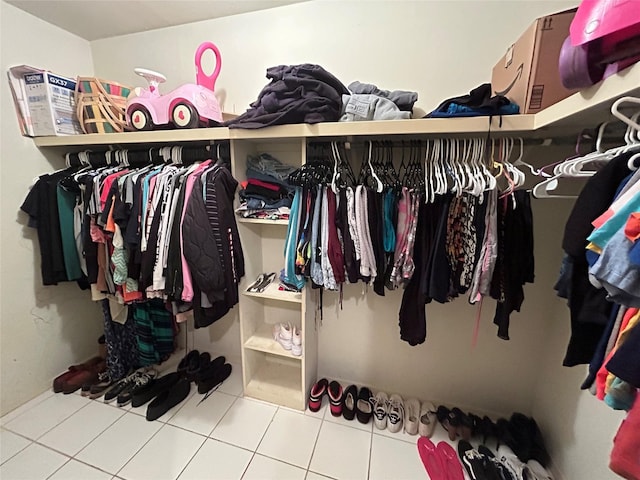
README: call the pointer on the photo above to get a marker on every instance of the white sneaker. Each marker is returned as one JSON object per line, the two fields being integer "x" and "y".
{"x": 282, "y": 335}
{"x": 296, "y": 341}
{"x": 411, "y": 416}
{"x": 395, "y": 413}
{"x": 380, "y": 409}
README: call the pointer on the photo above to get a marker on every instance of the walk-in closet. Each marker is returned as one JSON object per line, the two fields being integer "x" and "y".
{"x": 320, "y": 239}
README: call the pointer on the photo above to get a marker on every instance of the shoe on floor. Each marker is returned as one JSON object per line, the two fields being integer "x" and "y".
{"x": 210, "y": 369}
{"x": 395, "y": 414}
{"x": 153, "y": 389}
{"x": 137, "y": 381}
{"x": 411, "y": 416}
{"x": 216, "y": 379}
{"x": 59, "y": 381}
{"x": 168, "y": 399}
{"x": 88, "y": 375}
{"x": 349, "y": 398}
{"x": 189, "y": 363}
{"x": 428, "y": 419}
{"x": 364, "y": 410}
{"x": 104, "y": 383}
{"x": 380, "y": 409}
{"x": 282, "y": 333}
{"x": 318, "y": 391}
{"x": 334, "y": 391}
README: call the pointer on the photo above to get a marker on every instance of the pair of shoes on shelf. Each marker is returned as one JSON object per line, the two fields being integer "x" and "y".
{"x": 388, "y": 412}
{"x": 440, "y": 461}
{"x": 78, "y": 375}
{"x": 357, "y": 404}
{"x": 261, "y": 283}
{"x": 289, "y": 337}
{"x": 332, "y": 389}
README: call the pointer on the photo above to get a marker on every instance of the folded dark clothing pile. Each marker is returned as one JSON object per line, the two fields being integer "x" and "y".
{"x": 266, "y": 193}
{"x": 304, "y": 93}
{"x": 479, "y": 102}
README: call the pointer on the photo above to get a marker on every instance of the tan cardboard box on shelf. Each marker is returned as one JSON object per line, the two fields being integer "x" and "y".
{"x": 528, "y": 73}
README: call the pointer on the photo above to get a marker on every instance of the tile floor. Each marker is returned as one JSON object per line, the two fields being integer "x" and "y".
{"x": 225, "y": 437}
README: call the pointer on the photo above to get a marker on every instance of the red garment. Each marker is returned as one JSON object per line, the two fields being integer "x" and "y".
{"x": 603, "y": 373}
{"x": 334, "y": 250}
{"x": 106, "y": 186}
{"x": 259, "y": 183}
{"x": 625, "y": 456}
{"x": 632, "y": 228}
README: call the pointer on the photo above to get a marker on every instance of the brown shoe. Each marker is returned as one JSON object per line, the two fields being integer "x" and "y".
{"x": 58, "y": 382}
{"x": 81, "y": 377}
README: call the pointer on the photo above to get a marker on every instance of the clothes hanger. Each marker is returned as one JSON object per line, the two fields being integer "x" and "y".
{"x": 616, "y": 112}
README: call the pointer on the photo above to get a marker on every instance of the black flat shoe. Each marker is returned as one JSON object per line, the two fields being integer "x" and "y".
{"x": 364, "y": 410}
{"x": 154, "y": 388}
{"x": 219, "y": 376}
{"x": 190, "y": 362}
{"x": 463, "y": 423}
{"x": 168, "y": 399}
{"x": 349, "y": 399}
{"x": 210, "y": 369}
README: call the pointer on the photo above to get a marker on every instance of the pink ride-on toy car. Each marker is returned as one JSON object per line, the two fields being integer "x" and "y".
{"x": 604, "y": 39}
{"x": 188, "y": 106}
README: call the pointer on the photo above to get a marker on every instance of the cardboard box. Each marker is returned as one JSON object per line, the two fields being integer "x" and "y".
{"x": 528, "y": 73}
{"x": 44, "y": 102}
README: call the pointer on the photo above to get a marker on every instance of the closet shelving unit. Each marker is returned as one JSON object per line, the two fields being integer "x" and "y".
{"x": 269, "y": 372}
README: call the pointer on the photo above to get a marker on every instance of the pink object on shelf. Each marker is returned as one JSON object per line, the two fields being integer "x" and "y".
{"x": 185, "y": 107}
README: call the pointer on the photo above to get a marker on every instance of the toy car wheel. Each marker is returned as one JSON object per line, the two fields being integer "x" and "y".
{"x": 184, "y": 115}
{"x": 141, "y": 119}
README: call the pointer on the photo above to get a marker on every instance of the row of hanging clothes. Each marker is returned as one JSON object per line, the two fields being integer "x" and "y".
{"x": 439, "y": 218}
{"x": 600, "y": 272}
{"x": 151, "y": 233}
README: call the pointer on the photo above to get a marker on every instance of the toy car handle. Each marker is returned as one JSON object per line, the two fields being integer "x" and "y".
{"x": 208, "y": 81}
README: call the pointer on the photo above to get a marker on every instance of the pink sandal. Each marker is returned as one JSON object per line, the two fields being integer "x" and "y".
{"x": 451, "y": 463}
{"x": 431, "y": 459}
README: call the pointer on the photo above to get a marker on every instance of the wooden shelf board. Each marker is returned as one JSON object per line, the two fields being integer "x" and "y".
{"x": 584, "y": 108}
{"x": 277, "y": 383}
{"x": 262, "y": 341}
{"x": 272, "y": 293}
{"x": 591, "y": 105}
{"x": 155, "y": 136}
{"x": 262, "y": 221}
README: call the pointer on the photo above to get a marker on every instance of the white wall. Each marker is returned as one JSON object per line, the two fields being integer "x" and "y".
{"x": 43, "y": 329}
{"x": 579, "y": 427}
{"x": 439, "y": 49}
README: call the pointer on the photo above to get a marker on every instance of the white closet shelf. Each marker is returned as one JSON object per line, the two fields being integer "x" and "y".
{"x": 262, "y": 341}
{"x": 262, "y": 221}
{"x": 586, "y": 107}
{"x": 272, "y": 293}
{"x": 277, "y": 383}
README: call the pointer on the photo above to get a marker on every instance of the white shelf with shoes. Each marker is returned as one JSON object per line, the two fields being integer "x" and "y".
{"x": 270, "y": 372}
{"x": 273, "y": 292}
{"x": 263, "y": 340}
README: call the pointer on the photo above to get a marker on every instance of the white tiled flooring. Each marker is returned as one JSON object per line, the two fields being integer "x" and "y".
{"x": 226, "y": 437}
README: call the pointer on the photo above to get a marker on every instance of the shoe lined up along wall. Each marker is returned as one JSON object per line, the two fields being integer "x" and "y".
{"x": 439, "y": 49}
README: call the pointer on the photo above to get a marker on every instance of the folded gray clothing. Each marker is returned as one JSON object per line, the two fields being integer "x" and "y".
{"x": 369, "y": 107}
{"x": 402, "y": 98}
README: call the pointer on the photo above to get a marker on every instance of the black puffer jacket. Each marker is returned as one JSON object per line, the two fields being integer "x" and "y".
{"x": 200, "y": 249}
